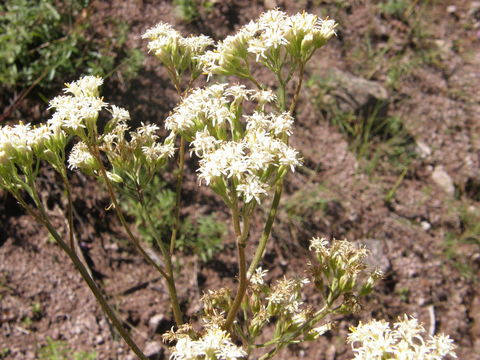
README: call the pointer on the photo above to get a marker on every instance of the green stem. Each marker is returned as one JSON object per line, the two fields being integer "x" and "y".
{"x": 279, "y": 188}
{"x": 178, "y": 197}
{"x": 282, "y": 342}
{"x": 43, "y": 219}
{"x": 96, "y": 153}
{"x": 70, "y": 210}
{"x": 293, "y": 105}
{"x": 255, "y": 82}
{"x": 172, "y": 290}
{"x": 267, "y": 230}
{"x": 242, "y": 262}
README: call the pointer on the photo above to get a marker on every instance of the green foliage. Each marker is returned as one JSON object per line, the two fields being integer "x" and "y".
{"x": 187, "y": 10}
{"x": 190, "y": 10}
{"x": 113, "y": 57}
{"x": 59, "y": 350}
{"x": 37, "y": 310}
{"x": 201, "y": 235}
{"x": 304, "y": 202}
{"x": 372, "y": 134}
{"x": 394, "y": 7}
{"x": 4, "y": 353}
{"x": 467, "y": 237}
{"x": 40, "y": 42}
{"x": 37, "y": 40}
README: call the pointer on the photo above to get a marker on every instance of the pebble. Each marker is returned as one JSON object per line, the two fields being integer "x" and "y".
{"x": 442, "y": 179}
{"x": 153, "y": 350}
{"x": 99, "y": 340}
{"x": 425, "y": 225}
{"x": 155, "y": 321}
{"x": 423, "y": 149}
{"x": 451, "y": 9}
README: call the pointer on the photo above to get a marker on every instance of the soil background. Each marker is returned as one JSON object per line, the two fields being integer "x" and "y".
{"x": 420, "y": 218}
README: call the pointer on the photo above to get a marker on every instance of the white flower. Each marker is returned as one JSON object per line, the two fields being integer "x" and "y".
{"x": 120, "y": 114}
{"x": 215, "y": 344}
{"x": 258, "y": 121}
{"x": 252, "y": 188}
{"x": 282, "y": 124}
{"x": 185, "y": 349}
{"x": 80, "y": 157}
{"x": 257, "y": 276}
{"x": 318, "y": 245}
{"x": 73, "y": 112}
{"x": 197, "y": 44}
{"x": 159, "y": 30}
{"x": 238, "y": 92}
{"x": 327, "y": 27}
{"x": 264, "y": 96}
{"x": 86, "y": 86}
{"x": 158, "y": 151}
{"x": 145, "y": 134}
{"x": 288, "y": 156}
{"x": 287, "y": 293}
{"x": 201, "y": 107}
{"x": 376, "y": 340}
{"x": 204, "y": 143}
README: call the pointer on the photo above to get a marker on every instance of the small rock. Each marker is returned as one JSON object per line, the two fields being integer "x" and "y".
{"x": 153, "y": 350}
{"x": 155, "y": 321}
{"x": 355, "y": 94}
{"x": 442, "y": 179}
{"x": 423, "y": 149}
{"x": 377, "y": 258}
{"x": 99, "y": 340}
{"x": 451, "y": 9}
{"x": 425, "y": 225}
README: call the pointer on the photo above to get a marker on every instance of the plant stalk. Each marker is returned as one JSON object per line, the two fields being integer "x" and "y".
{"x": 111, "y": 193}
{"x": 178, "y": 193}
{"x": 172, "y": 290}
{"x": 242, "y": 262}
{"x": 267, "y": 229}
{"x": 43, "y": 219}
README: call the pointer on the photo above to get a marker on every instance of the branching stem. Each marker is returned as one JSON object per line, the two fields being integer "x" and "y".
{"x": 43, "y": 219}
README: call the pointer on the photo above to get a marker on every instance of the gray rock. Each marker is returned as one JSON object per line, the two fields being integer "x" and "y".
{"x": 356, "y": 94}
{"x": 443, "y": 180}
{"x": 423, "y": 149}
{"x": 154, "y": 322}
{"x": 376, "y": 258}
{"x": 154, "y": 350}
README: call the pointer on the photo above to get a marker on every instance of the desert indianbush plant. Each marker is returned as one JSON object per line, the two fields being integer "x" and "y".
{"x": 244, "y": 157}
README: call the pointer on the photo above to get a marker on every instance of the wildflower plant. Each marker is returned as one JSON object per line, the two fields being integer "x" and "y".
{"x": 240, "y": 135}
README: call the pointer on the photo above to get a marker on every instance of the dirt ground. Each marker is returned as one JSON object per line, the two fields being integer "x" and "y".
{"x": 420, "y": 218}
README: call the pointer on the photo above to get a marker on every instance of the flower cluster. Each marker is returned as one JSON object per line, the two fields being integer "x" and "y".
{"x": 272, "y": 37}
{"x": 127, "y": 151}
{"x": 22, "y": 145}
{"x": 77, "y": 113}
{"x": 338, "y": 269}
{"x": 248, "y": 150}
{"x": 177, "y": 53}
{"x": 214, "y": 344}
{"x": 377, "y": 340}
